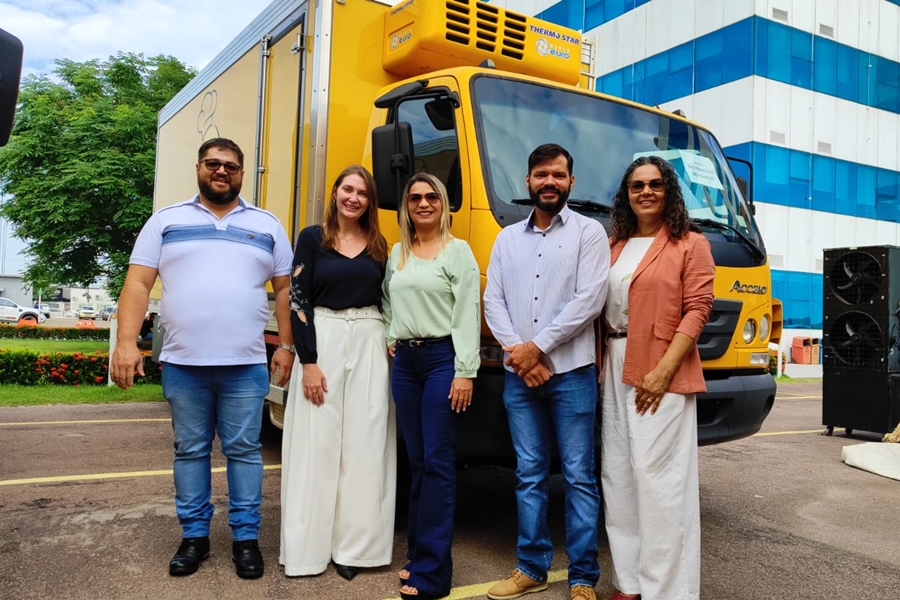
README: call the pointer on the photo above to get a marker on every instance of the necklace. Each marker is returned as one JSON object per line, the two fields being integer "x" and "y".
{"x": 349, "y": 238}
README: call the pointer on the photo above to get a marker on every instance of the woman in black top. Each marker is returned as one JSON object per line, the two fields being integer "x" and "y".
{"x": 339, "y": 444}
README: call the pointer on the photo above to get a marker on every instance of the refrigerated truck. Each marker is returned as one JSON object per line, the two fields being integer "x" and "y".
{"x": 465, "y": 90}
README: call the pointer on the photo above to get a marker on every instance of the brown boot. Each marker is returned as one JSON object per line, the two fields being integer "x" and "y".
{"x": 582, "y": 592}
{"x": 517, "y": 584}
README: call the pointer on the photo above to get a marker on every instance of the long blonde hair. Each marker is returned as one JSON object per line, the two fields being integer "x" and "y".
{"x": 407, "y": 229}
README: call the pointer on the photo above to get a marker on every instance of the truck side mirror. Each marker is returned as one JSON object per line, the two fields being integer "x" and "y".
{"x": 10, "y": 74}
{"x": 393, "y": 160}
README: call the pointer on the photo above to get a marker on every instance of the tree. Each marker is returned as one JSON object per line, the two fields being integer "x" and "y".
{"x": 80, "y": 164}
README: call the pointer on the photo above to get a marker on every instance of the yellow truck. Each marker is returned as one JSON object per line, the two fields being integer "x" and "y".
{"x": 465, "y": 90}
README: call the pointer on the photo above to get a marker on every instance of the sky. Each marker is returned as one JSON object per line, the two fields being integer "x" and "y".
{"x": 193, "y": 31}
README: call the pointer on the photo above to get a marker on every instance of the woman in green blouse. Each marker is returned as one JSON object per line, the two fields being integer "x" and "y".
{"x": 433, "y": 323}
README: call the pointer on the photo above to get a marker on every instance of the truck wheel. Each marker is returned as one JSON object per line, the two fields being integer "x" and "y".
{"x": 848, "y": 431}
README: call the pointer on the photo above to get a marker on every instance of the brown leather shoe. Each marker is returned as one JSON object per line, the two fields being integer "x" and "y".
{"x": 517, "y": 584}
{"x": 582, "y": 592}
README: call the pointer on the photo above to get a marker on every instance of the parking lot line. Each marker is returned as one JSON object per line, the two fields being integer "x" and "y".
{"x": 819, "y": 430}
{"x": 790, "y": 397}
{"x": 480, "y": 589}
{"x": 101, "y": 421}
{"x": 99, "y": 476}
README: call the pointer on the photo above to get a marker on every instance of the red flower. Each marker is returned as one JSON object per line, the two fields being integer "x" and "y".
{"x": 98, "y": 379}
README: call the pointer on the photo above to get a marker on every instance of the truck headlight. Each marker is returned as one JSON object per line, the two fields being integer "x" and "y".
{"x": 764, "y": 328}
{"x": 759, "y": 359}
{"x": 749, "y": 331}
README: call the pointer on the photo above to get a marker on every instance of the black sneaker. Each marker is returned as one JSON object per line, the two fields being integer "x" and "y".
{"x": 248, "y": 560}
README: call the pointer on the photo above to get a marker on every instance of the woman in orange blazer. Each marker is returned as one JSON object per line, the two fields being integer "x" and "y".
{"x": 660, "y": 296}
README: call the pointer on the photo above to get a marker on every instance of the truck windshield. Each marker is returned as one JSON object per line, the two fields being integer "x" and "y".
{"x": 604, "y": 137}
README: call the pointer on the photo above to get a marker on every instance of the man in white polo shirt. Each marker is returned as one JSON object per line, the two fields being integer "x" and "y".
{"x": 214, "y": 254}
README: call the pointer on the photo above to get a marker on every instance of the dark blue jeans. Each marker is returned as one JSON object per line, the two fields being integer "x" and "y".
{"x": 420, "y": 381}
{"x": 205, "y": 400}
{"x": 567, "y": 405}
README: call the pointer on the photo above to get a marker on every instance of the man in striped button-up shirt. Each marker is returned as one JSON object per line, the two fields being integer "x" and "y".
{"x": 546, "y": 286}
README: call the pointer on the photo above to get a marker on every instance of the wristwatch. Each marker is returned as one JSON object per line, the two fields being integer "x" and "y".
{"x": 290, "y": 348}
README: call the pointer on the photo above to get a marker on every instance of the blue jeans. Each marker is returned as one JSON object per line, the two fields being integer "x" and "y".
{"x": 567, "y": 404}
{"x": 420, "y": 381}
{"x": 227, "y": 399}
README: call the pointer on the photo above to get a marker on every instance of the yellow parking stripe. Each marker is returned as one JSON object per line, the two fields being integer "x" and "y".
{"x": 99, "y": 476}
{"x": 480, "y": 589}
{"x": 789, "y": 397}
{"x": 17, "y": 424}
{"x": 819, "y": 430}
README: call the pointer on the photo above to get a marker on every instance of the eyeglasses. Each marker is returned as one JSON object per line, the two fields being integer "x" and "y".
{"x": 656, "y": 185}
{"x": 432, "y": 197}
{"x": 214, "y": 165}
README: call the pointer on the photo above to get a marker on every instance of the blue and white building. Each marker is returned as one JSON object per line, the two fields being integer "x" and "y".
{"x": 808, "y": 90}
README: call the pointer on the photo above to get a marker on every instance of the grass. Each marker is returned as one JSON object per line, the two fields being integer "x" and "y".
{"x": 39, "y": 395}
{"x": 48, "y": 346}
{"x": 786, "y": 379}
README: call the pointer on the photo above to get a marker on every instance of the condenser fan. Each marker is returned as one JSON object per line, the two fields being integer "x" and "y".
{"x": 856, "y": 339}
{"x": 856, "y": 277}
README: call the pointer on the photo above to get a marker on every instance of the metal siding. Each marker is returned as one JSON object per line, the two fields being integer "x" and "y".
{"x": 265, "y": 23}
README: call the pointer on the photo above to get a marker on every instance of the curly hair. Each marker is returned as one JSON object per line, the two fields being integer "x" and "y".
{"x": 675, "y": 214}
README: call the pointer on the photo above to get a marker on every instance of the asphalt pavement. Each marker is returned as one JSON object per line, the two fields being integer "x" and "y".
{"x": 86, "y": 512}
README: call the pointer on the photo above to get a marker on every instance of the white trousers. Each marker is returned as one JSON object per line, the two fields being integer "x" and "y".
{"x": 651, "y": 492}
{"x": 339, "y": 460}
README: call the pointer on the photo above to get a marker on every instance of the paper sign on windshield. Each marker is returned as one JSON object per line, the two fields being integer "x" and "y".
{"x": 700, "y": 170}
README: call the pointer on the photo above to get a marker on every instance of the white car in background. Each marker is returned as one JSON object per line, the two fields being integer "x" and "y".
{"x": 87, "y": 312}
{"x": 12, "y": 312}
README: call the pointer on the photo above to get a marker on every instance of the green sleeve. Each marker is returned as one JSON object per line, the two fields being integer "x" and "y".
{"x": 386, "y": 298}
{"x": 465, "y": 316}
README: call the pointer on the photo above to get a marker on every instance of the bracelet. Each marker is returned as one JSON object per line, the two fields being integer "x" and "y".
{"x": 290, "y": 348}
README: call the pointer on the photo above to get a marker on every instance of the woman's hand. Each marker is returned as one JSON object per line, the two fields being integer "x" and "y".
{"x": 314, "y": 384}
{"x": 392, "y": 349}
{"x": 650, "y": 392}
{"x": 460, "y": 393}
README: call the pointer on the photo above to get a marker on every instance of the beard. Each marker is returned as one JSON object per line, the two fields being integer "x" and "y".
{"x": 220, "y": 198}
{"x": 556, "y": 206}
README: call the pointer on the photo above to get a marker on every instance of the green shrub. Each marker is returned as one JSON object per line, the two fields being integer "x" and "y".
{"x": 53, "y": 333}
{"x": 26, "y": 367}
{"x": 773, "y": 363}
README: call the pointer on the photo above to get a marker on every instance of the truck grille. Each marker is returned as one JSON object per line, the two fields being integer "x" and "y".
{"x": 716, "y": 337}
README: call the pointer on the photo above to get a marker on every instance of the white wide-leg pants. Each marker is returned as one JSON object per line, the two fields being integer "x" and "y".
{"x": 651, "y": 491}
{"x": 338, "y": 479}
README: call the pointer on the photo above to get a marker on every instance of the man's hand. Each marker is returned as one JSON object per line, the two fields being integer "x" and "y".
{"x": 539, "y": 375}
{"x": 283, "y": 361}
{"x": 127, "y": 361}
{"x": 522, "y": 357}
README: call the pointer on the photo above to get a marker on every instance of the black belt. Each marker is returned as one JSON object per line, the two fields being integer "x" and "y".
{"x": 414, "y": 342}
{"x": 615, "y": 335}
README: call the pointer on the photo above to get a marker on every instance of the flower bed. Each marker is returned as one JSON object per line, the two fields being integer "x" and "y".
{"x": 53, "y": 333}
{"x": 26, "y": 367}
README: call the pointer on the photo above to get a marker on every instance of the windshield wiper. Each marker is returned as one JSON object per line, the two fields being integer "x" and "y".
{"x": 585, "y": 205}
{"x": 757, "y": 252}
